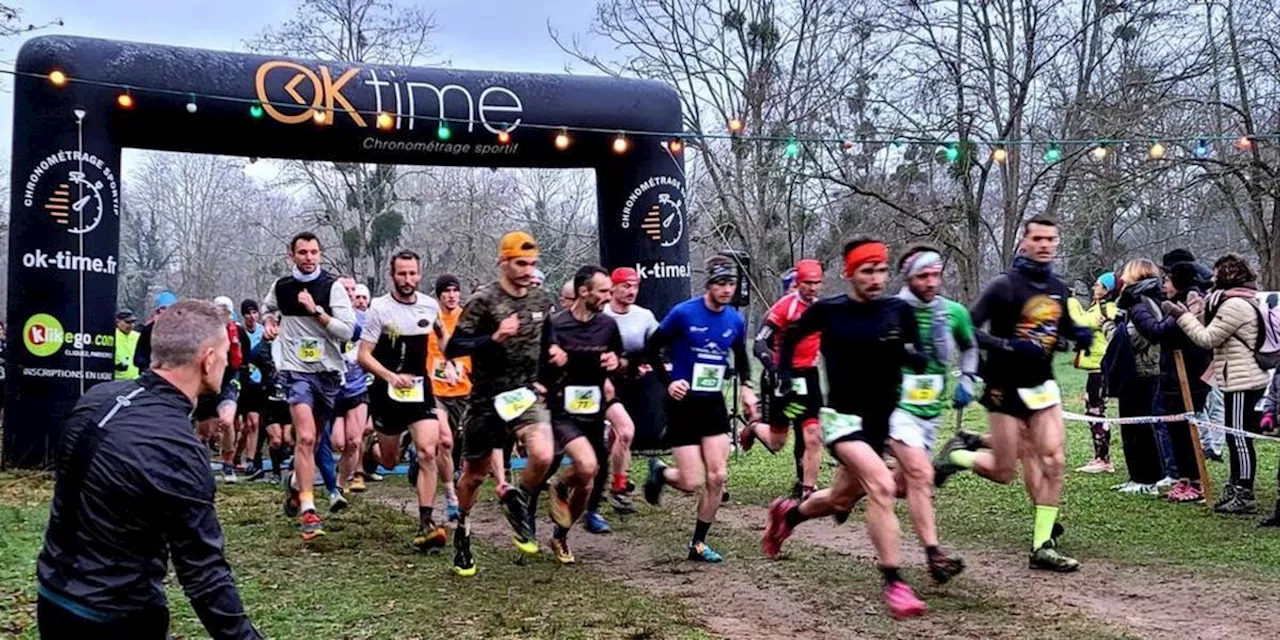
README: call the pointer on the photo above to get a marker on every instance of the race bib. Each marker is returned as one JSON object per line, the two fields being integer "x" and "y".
{"x": 799, "y": 385}
{"x": 921, "y": 390}
{"x": 1042, "y": 396}
{"x": 310, "y": 350}
{"x": 416, "y": 393}
{"x": 838, "y": 425}
{"x": 511, "y": 404}
{"x": 440, "y": 372}
{"x": 581, "y": 400}
{"x": 708, "y": 377}
{"x": 255, "y": 374}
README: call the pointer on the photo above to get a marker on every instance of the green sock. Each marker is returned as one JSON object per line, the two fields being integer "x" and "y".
{"x": 1045, "y": 517}
{"x": 964, "y": 458}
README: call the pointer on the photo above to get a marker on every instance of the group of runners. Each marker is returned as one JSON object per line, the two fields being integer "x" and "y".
{"x": 457, "y": 386}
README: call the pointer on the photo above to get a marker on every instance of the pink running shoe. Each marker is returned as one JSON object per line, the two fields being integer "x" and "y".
{"x": 1184, "y": 493}
{"x": 902, "y": 601}
{"x": 777, "y": 530}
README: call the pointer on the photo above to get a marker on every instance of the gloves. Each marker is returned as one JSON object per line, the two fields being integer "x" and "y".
{"x": 1268, "y": 423}
{"x": 1083, "y": 338}
{"x": 964, "y": 392}
{"x": 1026, "y": 348}
{"x": 766, "y": 361}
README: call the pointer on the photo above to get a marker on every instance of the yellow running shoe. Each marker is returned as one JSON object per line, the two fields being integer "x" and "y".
{"x": 561, "y": 548}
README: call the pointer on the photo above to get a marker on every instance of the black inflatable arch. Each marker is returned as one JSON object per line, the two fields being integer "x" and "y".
{"x": 67, "y": 140}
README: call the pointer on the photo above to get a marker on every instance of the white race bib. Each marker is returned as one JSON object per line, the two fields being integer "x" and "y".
{"x": 310, "y": 350}
{"x": 1042, "y": 396}
{"x": 582, "y": 400}
{"x": 440, "y": 371}
{"x": 708, "y": 377}
{"x": 921, "y": 390}
{"x": 510, "y": 404}
{"x": 837, "y": 425}
{"x": 799, "y": 385}
{"x": 416, "y": 393}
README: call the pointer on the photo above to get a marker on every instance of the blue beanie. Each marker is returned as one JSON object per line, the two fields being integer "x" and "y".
{"x": 1108, "y": 280}
{"x": 165, "y": 299}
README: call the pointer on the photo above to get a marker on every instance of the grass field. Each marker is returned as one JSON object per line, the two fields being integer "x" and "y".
{"x": 363, "y": 580}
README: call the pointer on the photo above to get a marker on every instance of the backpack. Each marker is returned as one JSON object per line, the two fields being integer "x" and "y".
{"x": 1118, "y": 365}
{"x": 1267, "y": 351}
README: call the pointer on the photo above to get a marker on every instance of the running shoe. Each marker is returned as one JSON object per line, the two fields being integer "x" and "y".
{"x": 357, "y": 484}
{"x": 1135, "y": 488}
{"x": 229, "y": 474}
{"x": 559, "y": 507}
{"x": 463, "y": 564}
{"x": 1048, "y": 558}
{"x": 254, "y": 473}
{"x": 902, "y": 601}
{"x": 654, "y": 483}
{"x": 1097, "y": 465}
{"x": 1242, "y": 503}
{"x": 943, "y": 567}
{"x": 312, "y": 527}
{"x": 943, "y": 467}
{"x": 1228, "y": 494}
{"x": 1166, "y": 482}
{"x": 1148, "y": 490}
{"x": 1210, "y": 454}
{"x": 622, "y": 502}
{"x": 430, "y": 539}
{"x": 1057, "y": 533}
{"x": 561, "y": 548}
{"x": 292, "y": 500}
{"x": 1184, "y": 492}
{"x": 776, "y": 529}
{"x": 702, "y": 553}
{"x": 515, "y": 505}
{"x": 747, "y": 438}
{"x": 337, "y": 502}
{"x": 1272, "y": 520}
{"x": 376, "y": 477}
{"x": 1124, "y": 487}
{"x": 595, "y": 523}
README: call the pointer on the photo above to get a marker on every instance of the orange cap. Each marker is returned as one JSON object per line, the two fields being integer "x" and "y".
{"x": 517, "y": 244}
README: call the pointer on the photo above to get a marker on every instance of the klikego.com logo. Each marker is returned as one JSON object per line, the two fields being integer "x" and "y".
{"x": 43, "y": 335}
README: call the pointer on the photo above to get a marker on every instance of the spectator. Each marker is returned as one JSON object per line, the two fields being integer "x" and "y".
{"x": 142, "y": 354}
{"x": 1268, "y": 423}
{"x": 1090, "y": 361}
{"x": 126, "y": 345}
{"x": 133, "y": 491}
{"x": 1133, "y": 375}
{"x": 1231, "y": 328}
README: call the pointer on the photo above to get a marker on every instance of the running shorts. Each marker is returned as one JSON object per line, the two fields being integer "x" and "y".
{"x": 773, "y": 404}
{"x": 694, "y": 418}
{"x": 391, "y": 418}
{"x": 485, "y": 430}
{"x": 874, "y": 432}
{"x": 569, "y": 428}
{"x": 455, "y": 410}
{"x": 252, "y": 399}
{"x": 1005, "y": 400}
{"x": 347, "y": 403}
{"x": 276, "y": 412}
{"x": 319, "y": 391}
{"x": 914, "y": 431}
{"x": 207, "y": 406}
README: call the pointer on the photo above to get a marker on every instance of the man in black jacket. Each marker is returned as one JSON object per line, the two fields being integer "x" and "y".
{"x": 133, "y": 490}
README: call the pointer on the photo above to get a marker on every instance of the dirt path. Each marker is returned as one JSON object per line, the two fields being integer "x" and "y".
{"x": 1143, "y": 602}
{"x": 727, "y": 602}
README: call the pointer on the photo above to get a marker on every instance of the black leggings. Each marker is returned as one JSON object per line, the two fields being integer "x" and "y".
{"x": 1242, "y": 414}
{"x": 56, "y": 622}
{"x": 1138, "y": 441}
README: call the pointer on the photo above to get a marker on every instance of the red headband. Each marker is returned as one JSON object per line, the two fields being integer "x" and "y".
{"x": 808, "y": 270}
{"x": 873, "y": 252}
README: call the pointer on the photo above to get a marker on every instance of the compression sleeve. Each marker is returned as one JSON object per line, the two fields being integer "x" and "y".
{"x": 994, "y": 295}
{"x": 654, "y": 352}
{"x": 763, "y": 351}
{"x": 469, "y": 336}
{"x": 741, "y": 361}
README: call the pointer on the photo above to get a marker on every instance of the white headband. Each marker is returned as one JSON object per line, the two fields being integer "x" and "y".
{"x": 919, "y": 262}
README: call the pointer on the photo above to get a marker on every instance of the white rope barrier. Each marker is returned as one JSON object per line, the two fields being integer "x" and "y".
{"x": 1188, "y": 417}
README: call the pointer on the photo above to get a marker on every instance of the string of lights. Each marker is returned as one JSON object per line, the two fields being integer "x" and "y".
{"x": 1200, "y": 146}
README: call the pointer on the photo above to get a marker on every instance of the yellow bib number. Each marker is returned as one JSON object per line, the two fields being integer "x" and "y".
{"x": 510, "y": 404}
{"x": 582, "y": 400}
{"x": 838, "y": 425}
{"x": 415, "y": 393}
{"x": 310, "y": 350}
{"x": 1042, "y": 396}
{"x": 921, "y": 390}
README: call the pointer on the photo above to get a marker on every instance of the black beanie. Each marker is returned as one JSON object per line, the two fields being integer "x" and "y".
{"x": 445, "y": 281}
{"x": 1176, "y": 256}
{"x": 1184, "y": 275}
{"x": 247, "y": 306}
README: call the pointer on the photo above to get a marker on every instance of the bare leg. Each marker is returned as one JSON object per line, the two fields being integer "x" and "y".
{"x": 1000, "y": 463}
{"x": 811, "y": 463}
{"x": 882, "y": 523}
{"x": 917, "y": 470}
{"x": 624, "y": 433}
{"x": 1046, "y": 438}
{"x": 715, "y": 459}
{"x": 539, "y": 447}
{"x": 426, "y": 435}
{"x": 304, "y": 453}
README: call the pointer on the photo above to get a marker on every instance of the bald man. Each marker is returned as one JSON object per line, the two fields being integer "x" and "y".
{"x": 567, "y": 295}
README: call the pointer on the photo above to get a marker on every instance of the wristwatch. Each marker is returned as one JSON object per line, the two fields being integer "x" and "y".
{"x": 319, "y": 310}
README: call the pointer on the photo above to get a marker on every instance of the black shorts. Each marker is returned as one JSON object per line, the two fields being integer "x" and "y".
{"x": 252, "y": 398}
{"x": 207, "y": 406}
{"x": 347, "y": 403}
{"x": 276, "y": 412}
{"x": 1005, "y": 400}
{"x": 874, "y": 432}
{"x": 773, "y": 406}
{"x": 694, "y": 418}
{"x": 456, "y": 410}
{"x": 391, "y": 418}
{"x": 485, "y": 430}
{"x": 568, "y": 428}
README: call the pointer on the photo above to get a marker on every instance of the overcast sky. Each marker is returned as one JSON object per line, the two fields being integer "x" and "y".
{"x": 503, "y": 35}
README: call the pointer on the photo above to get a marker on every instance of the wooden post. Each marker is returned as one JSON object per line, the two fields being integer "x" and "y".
{"x": 1189, "y": 407}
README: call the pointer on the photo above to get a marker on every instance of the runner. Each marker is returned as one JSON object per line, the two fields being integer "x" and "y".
{"x": 807, "y": 385}
{"x": 360, "y": 302}
{"x": 216, "y": 415}
{"x": 1025, "y": 311}
{"x": 351, "y": 413}
{"x": 505, "y": 329}
{"x": 393, "y": 347}
{"x": 310, "y": 313}
{"x": 701, "y": 332}
{"x": 451, "y": 386}
{"x": 275, "y": 410}
{"x": 866, "y": 340}
{"x": 576, "y": 392}
{"x": 636, "y": 324}
{"x": 252, "y": 393}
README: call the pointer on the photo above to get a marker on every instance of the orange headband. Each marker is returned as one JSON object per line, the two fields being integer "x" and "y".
{"x": 870, "y": 252}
